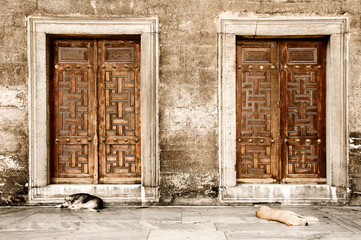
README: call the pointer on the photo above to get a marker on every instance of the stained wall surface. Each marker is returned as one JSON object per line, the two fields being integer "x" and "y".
{"x": 188, "y": 85}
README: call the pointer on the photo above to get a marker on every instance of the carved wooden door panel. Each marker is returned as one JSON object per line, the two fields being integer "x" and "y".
{"x": 72, "y": 92}
{"x": 303, "y": 109}
{"x": 95, "y": 111}
{"x": 280, "y": 111}
{"x": 119, "y": 112}
{"x": 257, "y": 111}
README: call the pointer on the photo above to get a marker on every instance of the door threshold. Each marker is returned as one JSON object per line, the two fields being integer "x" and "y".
{"x": 288, "y": 194}
{"x": 122, "y": 193}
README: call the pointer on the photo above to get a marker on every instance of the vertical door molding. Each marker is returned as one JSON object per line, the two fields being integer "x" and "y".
{"x": 336, "y": 29}
{"x": 37, "y": 30}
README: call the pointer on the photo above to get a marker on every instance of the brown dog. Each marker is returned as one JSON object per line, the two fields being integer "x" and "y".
{"x": 287, "y": 217}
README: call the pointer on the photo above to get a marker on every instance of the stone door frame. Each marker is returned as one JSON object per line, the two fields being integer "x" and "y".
{"x": 40, "y": 191}
{"x": 336, "y": 29}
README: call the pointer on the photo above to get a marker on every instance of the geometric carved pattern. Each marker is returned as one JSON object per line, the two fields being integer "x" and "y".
{"x": 95, "y": 111}
{"x": 302, "y": 114}
{"x": 304, "y": 110}
{"x": 72, "y": 121}
{"x": 303, "y": 159}
{"x": 119, "y": 112}
{"x": 73, "y": 159}
{"x": 72, "y": 89}
{"x": 120, "y": 103}
{"x": 255, "y": 122}
{"x": 302, "y": 105}
{"x": 256, "y": 105}
{"x": 120, "y": 120}
{"x": 255, "y": 160}
{"x": 280, "y": 94}
{"x": 73, "y": 103}
{"x": 121, "y": 159}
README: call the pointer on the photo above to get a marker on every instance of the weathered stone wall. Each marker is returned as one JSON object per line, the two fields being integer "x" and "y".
{"x": 13, "y": 102}
{"x": 354, "y": 101}
{"x": 355, "y": 168}
{"x": 188, "y": 87}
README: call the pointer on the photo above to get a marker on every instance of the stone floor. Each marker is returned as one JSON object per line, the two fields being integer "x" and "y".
{"x": 174, "y": 223}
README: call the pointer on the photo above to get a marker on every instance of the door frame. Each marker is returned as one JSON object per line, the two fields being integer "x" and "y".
{"x": 336, "y": 29}
{"x": 40, "y": 191}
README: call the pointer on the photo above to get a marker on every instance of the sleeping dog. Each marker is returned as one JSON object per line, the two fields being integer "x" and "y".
{"x": 287, "y": 217}
{"x": 82, "y": 200}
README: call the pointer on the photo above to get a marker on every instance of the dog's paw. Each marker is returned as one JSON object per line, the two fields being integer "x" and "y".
{"x": 59, "y": 206}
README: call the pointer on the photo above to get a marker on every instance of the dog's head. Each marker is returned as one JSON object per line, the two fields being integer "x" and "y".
{"x": 66, "y": 203}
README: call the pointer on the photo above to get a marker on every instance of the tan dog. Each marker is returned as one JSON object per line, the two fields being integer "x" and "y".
{"x": 287, "y": 217}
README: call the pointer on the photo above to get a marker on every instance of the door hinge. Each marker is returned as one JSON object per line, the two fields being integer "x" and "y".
{"x": 279, "y": 102}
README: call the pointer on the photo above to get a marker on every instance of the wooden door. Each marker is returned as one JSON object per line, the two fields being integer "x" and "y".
{"x": 119, "y": 112}
{"x": 280, "y": 111}
{"x": 72, "y": 92}
{"x": 257, "y": 111}
{"x": 303, "y": 119}
{"x": 94, "y": 111}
